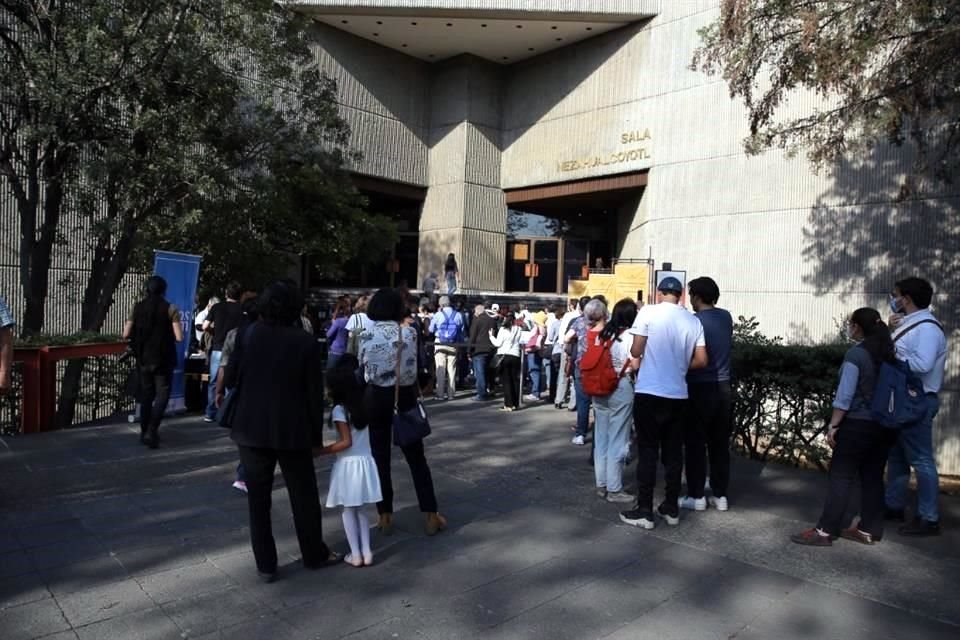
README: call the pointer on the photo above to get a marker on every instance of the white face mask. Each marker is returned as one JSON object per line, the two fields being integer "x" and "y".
{"x": 849, "y": 331}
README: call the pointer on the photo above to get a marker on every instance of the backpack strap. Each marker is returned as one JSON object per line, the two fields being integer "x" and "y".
{"x": 915, "y": 325}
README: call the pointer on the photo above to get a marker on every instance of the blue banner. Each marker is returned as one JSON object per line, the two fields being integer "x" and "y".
{"x": 181, "y": 271}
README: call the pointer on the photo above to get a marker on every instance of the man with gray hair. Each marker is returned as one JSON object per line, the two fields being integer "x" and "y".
{"x": 447, "y": 326}
{"x": 481, "y": 347}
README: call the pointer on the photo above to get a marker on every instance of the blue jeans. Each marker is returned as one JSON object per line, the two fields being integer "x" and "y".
{"x": 545, "y": 366}
{"x": 583, "y": 404}
{"x": 451, "y": 285}
{"x": 333, "y": 359}
{"x": 212, "y": 384}
{"x": 914, "y": 448}
{"x": 533, "y": 368}
{"x": 611, "y": 435}
{"x": 480, "y": 373}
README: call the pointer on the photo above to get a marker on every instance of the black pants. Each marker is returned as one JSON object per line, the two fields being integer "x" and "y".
{"x": 709, "y": 422}
{"x": 659, "y": 423}
{"x": 510, "y": 377}
{"x": 379, "y": 405}
{"x": 154, "y": 395}
{"x": 860, "y": 455}
{"x": 297, "y": 467}
{"x": 554, "y": 375}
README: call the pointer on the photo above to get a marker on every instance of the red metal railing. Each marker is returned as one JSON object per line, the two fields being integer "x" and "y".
{"x": 39, "y": 396}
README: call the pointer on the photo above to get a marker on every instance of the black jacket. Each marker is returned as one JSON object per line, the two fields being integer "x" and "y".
{"x": 279, "y": 385}
{"x": 479, "y": 333}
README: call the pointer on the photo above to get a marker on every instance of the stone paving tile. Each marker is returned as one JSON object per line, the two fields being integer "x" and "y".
{"x": 8, "y": 541}
{"x": 199, "y": 615}
{"x": 15, "y": 563}
{"x": 193, "y": 580}
{"x": 804, "y": 614}
{"x": 142, "y": 561}
{"x": 64, "y": 553}
{"x": 88, "y": 574}
{"x": 109, "y": 601}
{"x": 152, "y": 624}
{"x": 269, "y": 626}
{"x": 32, "y": 620}
{"x": 22, "y": 589}
{"x": 341, "y": 613}
{"x": 41, "y": 535}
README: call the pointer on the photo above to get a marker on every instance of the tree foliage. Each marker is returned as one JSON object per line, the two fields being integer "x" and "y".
{"x": 179, "y": 124}
{"x": 883, "y": 71}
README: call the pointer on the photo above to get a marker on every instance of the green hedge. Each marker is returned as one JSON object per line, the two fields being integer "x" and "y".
{"x": 66, "y": 340}
{"x": 782, "y": 396}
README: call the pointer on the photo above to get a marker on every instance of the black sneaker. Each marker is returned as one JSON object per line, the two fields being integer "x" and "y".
{"x": 672, "y": 516}
{"x": 920, "y": 528}
{"x": 896, "y": 515}
{"x": 637, "y": 518}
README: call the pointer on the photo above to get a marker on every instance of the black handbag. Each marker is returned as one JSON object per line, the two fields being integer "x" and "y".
{"x": 227, "y": 410}
{"x": 410, "y": 426}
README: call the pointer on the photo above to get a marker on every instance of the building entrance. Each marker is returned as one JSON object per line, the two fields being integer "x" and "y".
{"x": 559, "y": 232}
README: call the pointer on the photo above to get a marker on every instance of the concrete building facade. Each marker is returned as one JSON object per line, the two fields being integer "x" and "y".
{"x": 587, "y": 111}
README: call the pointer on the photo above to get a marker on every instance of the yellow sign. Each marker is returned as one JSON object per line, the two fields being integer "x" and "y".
{"x": 627, "y": 279}
{"x": 615, "y": 157}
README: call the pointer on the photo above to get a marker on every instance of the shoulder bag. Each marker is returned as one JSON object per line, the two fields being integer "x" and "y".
{"x": 410, "y": 426}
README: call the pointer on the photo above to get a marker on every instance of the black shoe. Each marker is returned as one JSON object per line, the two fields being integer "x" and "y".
{"x": 267, "y": 577}
{"x": 920, "y": 528}
{"x": 672, "y": 516}
{"x": 895, "y": 515}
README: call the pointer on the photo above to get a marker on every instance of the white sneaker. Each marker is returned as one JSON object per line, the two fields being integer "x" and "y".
{"x": 578, "y": 440}
{"x": 240, "y": 485}
{"x": 531, "y": 398}
{"x": 720, "y": 504}
{"x": 693, "y": 504}
{"x": 621, "y": 496}
{"x": 636, "y": 518}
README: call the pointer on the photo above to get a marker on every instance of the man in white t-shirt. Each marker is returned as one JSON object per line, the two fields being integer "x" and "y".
{"x": 669, "y": 341}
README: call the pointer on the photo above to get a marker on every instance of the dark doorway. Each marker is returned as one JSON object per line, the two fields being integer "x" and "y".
{"x": 400, "y": 203}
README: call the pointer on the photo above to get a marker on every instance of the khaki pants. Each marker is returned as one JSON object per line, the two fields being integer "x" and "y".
{"x": 446, "y": 360}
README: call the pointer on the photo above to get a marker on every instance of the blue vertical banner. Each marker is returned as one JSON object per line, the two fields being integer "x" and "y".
{"x": 181, "y": 271}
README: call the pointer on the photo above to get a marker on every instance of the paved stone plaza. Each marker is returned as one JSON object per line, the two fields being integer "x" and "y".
{"x": 102, "y": 538}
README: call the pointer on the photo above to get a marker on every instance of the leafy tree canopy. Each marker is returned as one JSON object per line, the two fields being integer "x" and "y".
{"x": 884, "y": 70}
{"x": 178, "y": 124}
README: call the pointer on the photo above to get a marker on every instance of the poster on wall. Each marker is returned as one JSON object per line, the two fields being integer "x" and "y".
{"x": 660, "y": 274}
{"x": 181, "y": 271}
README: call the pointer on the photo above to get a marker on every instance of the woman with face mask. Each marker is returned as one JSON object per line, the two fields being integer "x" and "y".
{"x": 860, "y": 445}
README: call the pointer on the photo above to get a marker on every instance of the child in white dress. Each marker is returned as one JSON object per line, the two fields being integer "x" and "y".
{"x": 354, "y": 482}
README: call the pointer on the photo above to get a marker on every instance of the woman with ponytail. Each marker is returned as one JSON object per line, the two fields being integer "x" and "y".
{"x": 860, "y": 445}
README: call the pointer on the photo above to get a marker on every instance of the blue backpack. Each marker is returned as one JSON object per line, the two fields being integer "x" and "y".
{"x": 449, "y": 330}
{"x": 898, "y": 398}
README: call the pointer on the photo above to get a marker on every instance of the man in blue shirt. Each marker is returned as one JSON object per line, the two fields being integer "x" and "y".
{"x": 6, "y": 346}
{"x": 447, "y": 326}
{"x": 921, "y": 342}
{"x": 709, "y": 420}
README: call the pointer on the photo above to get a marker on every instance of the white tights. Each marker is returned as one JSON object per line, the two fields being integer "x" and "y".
{"x": 357, "y": 527}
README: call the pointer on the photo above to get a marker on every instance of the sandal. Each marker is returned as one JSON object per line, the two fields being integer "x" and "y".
{"x": 368, "y": 560}
{"x": 353, "y": 562}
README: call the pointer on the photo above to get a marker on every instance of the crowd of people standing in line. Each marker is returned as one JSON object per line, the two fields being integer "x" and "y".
{"x": 673, "y": 396}
{"x": 657, "y": 373}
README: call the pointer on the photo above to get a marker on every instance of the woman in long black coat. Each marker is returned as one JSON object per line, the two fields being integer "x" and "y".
{"x": 276, "y": 372}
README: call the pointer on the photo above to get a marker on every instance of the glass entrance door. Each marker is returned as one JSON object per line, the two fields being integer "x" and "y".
{"x": 546, "y": 257}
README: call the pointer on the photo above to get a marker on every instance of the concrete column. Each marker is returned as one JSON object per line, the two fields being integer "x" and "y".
{"x": 465, "y": 211}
